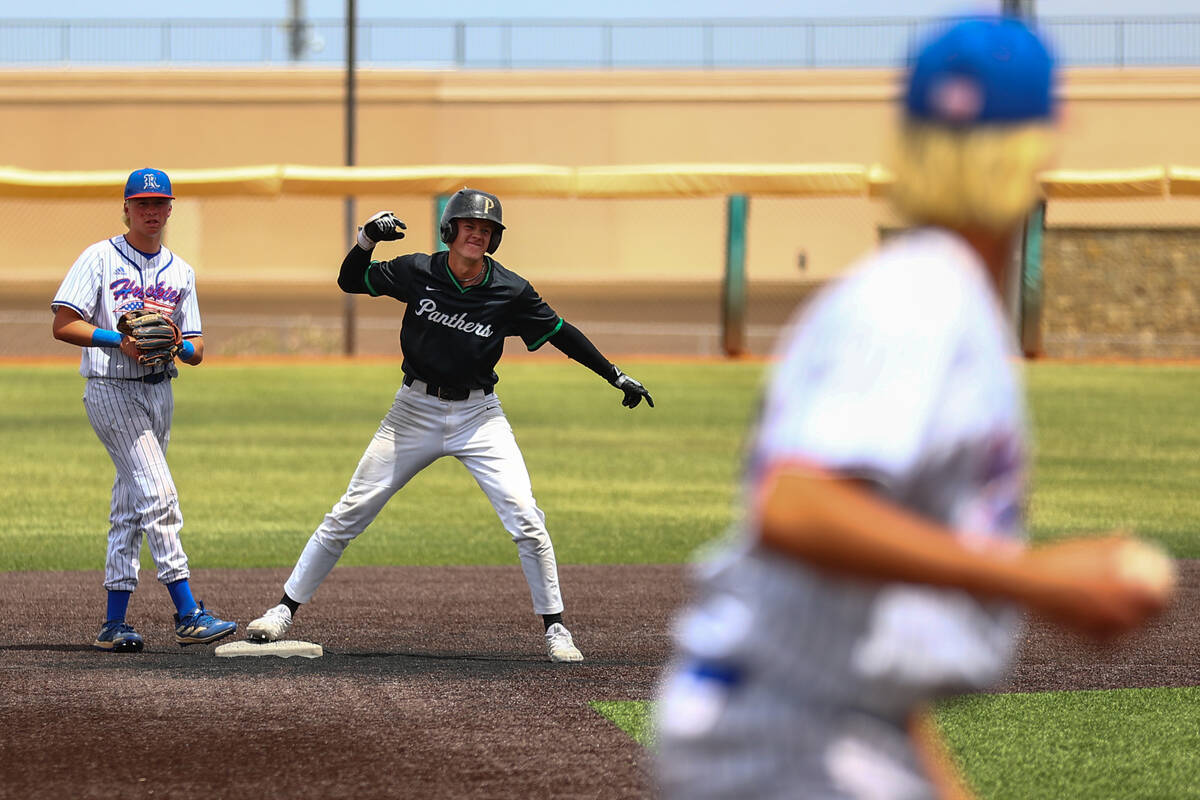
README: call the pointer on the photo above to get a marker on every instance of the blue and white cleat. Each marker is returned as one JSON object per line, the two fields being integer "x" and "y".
{"x": 117, "y": 636}
{"x": 201, "y": 627}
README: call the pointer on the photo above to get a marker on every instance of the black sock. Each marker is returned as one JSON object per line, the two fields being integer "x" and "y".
{"x": 550, "y": 619}
{"x": 290, "y": 603}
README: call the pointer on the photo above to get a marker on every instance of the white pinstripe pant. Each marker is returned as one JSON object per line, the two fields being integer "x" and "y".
{"x": 752, "y": 740}
{"x": 133, "y": 421}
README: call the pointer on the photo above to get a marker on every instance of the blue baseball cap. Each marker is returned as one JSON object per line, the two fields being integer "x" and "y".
{"x": 982, "y": 70}
{"x": 148, "y": 182}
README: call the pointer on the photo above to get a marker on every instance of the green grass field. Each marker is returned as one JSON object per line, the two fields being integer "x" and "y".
{"x": 260, "y": 453}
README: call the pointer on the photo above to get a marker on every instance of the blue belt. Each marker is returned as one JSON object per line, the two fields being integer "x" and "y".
{"x": 718, "y": 673}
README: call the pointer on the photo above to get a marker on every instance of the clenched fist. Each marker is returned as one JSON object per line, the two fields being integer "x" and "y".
{"x": 383, "y": 227}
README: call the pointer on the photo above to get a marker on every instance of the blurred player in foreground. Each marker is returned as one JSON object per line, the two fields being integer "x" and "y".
{"x": 881, "y": 561}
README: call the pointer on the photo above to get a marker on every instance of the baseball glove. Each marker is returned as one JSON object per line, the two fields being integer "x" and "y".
{"x": 157, "y": 337}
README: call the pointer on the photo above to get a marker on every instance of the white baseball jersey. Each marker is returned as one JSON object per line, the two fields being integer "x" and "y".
{"x": 132, "y": 418}
{"x": 790, "y": 681}
{"x": 112, "y": 277}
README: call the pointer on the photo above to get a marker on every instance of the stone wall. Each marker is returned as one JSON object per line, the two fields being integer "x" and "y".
{"x": 1121, "y": 293}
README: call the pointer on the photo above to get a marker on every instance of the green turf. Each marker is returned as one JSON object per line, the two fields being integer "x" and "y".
{"x": 1117, "y": 447}
{"x": 261, "y": 453}
{"x": 1134, "y": 744}
{"x": 631, "y": 716}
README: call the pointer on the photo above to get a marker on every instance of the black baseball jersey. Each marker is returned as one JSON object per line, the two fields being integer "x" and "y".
{"x": 453, "y": 336}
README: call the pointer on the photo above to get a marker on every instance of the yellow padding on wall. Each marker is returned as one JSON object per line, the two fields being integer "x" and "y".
{"x": 1075, "y": 184}
{"x": 706, "y": 180}
{"x": 108, "y": 184}
{"x": 512, "y": 179}
{"x": 16, "y": 182}
{"x": 1184, "y": 180}
{"x": 542, "y": 180}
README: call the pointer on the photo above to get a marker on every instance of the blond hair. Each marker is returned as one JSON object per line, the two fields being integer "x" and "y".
{"x": 979, "y": 177}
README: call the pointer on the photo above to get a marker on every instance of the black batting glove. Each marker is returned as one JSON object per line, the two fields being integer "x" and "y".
{"x": 634, "y": 391}
{"x": 383, "y": 227}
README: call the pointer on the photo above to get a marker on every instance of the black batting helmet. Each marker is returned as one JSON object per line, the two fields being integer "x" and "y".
{"x": 472, "y": 204}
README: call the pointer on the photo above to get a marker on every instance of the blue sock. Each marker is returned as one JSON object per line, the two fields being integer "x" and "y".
{"x": 118, "y": 603}
{"x": 181, "y": 594}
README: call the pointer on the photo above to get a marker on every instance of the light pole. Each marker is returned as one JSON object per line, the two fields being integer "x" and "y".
{"x": 348, "y": 316}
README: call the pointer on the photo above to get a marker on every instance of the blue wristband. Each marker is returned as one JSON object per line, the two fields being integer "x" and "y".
{"x": 105, "y": 338}
{"x": 187, "y": 350}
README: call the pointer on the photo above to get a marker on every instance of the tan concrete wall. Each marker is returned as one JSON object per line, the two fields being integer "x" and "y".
{"x": 108, "y": 119}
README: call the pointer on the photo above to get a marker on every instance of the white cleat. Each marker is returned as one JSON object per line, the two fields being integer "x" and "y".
{"x": 559, "y": 644}
{"x": 271, "y": 625}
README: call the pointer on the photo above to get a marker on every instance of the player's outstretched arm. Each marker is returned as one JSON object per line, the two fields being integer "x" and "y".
{"x": 571, "y": 341}
{"x": 1104, "y": 585}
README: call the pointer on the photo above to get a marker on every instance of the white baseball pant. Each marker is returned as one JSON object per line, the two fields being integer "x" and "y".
{"x": 418, "y": 430}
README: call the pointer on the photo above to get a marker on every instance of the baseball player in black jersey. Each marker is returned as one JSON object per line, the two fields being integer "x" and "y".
{"x": 461, "y": 305}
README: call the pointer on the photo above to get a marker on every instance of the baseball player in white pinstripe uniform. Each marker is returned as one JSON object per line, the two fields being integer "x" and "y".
{"x": 881, "y": 559}
{"x": 130, "y": 404}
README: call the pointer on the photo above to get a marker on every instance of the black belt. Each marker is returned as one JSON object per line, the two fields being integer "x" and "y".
{"x": 153, "y": 377}
{"x": 445, "y": 392}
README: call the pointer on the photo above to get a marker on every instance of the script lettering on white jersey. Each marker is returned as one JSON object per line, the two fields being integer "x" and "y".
{"x": 160, "y": 293}
{"x": 428, "y": 308}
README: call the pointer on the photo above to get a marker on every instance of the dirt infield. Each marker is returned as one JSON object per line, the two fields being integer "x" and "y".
{"x": 434, "y": 684}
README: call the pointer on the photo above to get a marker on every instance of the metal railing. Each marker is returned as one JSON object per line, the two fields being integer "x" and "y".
{"x": 557, "y": 44}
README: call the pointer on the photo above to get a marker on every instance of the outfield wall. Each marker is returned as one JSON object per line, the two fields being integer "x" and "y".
{"x": 94, "y": 119}
{"x": 191, "y": 119}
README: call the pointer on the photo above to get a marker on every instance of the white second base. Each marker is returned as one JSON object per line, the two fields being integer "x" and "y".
{"x": 284, "y": 648}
